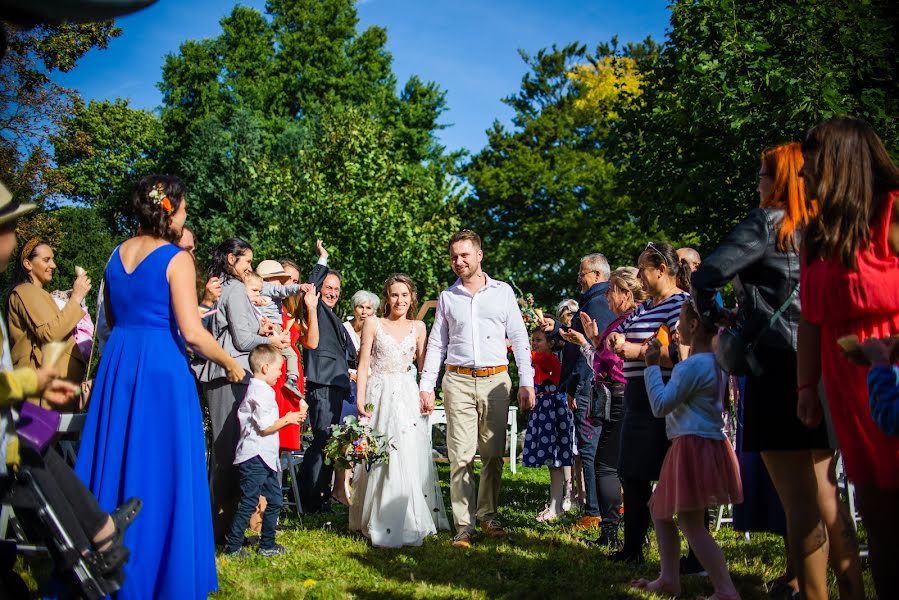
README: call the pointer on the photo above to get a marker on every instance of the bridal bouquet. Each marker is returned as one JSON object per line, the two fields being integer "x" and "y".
{"x": 356, "y": 441}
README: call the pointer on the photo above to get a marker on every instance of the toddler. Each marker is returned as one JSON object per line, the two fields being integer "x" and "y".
{"x": 274, "y": 291}
{"x": 257, "y": 452}
{"x": 700, "y": 469}
{"x": 550, "y": 431}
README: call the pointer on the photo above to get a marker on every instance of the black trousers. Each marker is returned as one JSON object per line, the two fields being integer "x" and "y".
{"x": 606, "y": 467}
{"x": 325, "y": 405}
{"x": 636, "y": 513}
{"x": 74, "y": 504}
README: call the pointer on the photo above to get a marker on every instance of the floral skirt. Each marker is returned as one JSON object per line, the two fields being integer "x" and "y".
{"x": 698, "y": 473}
{"x": 550, "y": 434}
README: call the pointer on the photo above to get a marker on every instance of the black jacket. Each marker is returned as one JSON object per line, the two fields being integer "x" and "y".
{"x": 328, "y": 364}
{"x": 576, "y": 371}
{"x": 763, "y": 278}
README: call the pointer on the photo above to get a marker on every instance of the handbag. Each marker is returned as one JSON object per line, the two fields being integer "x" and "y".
{"x": 735, "y": 355}
{"x": 600, "y": 406}
{"x": 37, "y": 425}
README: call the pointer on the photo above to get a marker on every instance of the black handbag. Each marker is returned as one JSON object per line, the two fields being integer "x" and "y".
{"x": 735, "y": 355}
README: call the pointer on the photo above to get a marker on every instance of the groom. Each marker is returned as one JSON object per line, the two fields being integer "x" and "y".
{"x": 474, "y": 317}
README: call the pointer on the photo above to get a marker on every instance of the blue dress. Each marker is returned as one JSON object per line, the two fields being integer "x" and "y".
{"x": 550, "y": 435}
{"x": 144, "y": 437}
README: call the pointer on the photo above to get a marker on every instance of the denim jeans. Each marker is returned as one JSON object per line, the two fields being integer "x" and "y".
{"x": 587, "y": 442}
{"x": 256, "y": 479}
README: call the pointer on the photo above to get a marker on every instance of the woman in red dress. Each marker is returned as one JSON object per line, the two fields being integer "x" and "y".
{"x": 850, "y": 285}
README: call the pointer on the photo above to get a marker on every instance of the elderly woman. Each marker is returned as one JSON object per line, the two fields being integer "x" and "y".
{"x": 643, "y": 439}
{"x": 35, "y": 319}
{"x": 624, "y": 294}
{"x": 566, "y": 311}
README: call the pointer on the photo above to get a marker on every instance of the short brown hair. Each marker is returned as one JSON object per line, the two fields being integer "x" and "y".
{"x": 413, "y": 294}
{"x": 465, "y": 235}
{"x": 264, "y": 354}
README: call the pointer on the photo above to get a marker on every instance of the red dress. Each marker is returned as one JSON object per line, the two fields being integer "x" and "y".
{"x": 289, "y": 436}
{"x": 864, "y": 302}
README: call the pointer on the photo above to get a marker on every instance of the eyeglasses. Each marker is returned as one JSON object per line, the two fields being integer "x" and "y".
{"x": 582, "y": 274}
{"x": 651, "y": 246}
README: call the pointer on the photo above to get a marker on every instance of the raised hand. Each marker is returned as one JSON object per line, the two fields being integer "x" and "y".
{"x": 320, "y": 248}
{"x": 591, "y": 329}
{"x": 81, "y": 287}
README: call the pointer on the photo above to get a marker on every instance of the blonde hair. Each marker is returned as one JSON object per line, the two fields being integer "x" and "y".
{"x": 252, "y": 277}
{"x": 627, "y": 280}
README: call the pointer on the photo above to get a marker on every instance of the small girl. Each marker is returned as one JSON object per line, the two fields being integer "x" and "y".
{"x": 700, "y": 469}
{"x": 550, "y": 432}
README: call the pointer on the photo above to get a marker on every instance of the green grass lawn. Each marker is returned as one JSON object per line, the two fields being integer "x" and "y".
{"x": 540, "y": 561}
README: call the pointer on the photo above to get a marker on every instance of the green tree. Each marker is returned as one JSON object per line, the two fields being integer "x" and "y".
{"x": 544, "y": 193}
{"x": 100, "y": 151}
{"x": 32, "y": 105}
{"x": 737, "y": 77}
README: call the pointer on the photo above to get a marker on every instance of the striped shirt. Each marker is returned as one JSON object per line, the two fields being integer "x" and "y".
{"x": 644, "y": 323}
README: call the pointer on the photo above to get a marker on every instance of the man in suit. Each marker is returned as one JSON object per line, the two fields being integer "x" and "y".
{"x": 327, "y": 384}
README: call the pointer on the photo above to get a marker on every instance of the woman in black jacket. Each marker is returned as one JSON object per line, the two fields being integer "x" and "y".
{"x": 761, "y": 256}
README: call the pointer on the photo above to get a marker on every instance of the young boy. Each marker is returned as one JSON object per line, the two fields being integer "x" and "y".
{"x": 274, "y": 290}
{"x": 257, "y": 452}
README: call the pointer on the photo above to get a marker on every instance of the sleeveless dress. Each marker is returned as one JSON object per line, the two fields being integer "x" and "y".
{"x": 398, "y": 503}
{"x": 864, "y": 302}
{"x": 144, "y": 437}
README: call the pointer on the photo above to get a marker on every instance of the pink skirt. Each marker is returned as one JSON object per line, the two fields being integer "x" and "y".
{"x": 698, "y": 473}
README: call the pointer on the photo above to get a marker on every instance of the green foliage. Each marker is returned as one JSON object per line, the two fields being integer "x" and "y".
{"x": 32, "y": 105}
{"x": 101, "y": 150}
{"x": 737, "y": 77}
{"x": 545, "y": 193}
{"x": 290, "y": 128}
{"x": 356, "y": 442}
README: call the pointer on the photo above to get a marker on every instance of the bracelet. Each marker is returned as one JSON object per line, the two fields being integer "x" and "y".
{"x": 806, "y": 386}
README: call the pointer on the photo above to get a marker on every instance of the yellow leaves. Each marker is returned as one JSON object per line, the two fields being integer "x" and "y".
{"x": 309, "y": 583}
{"x": 607, "y": 85}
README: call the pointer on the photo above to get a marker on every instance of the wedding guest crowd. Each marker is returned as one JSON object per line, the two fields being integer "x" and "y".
{"x": 628, "y": 386}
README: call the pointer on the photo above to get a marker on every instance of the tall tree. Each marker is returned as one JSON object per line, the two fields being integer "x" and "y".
{"x": 544, "y": 192}
{"x": 32, "y": 105}
{"x": 737, "y": 77}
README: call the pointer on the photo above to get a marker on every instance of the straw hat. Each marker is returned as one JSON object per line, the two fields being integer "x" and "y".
{"x": 269, "y": 269}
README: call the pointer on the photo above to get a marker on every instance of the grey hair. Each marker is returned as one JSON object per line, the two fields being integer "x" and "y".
{"x": 598, "y": 262}
{"x": 569, "y": 305}
{"x": 365, "y": 297}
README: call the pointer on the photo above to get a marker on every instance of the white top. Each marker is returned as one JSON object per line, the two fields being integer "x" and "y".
{"x": 471, "y": 331}
{"x": 692, "y": 402}
{"x": 355, "y": 337}
{"x": 258, "y": 411}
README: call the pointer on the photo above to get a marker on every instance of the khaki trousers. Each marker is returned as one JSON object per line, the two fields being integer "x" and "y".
{"x": 477, "y": 411}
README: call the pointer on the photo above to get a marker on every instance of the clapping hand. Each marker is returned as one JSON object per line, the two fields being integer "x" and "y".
{"x": 591, "y": 329}
{"x": 653, "y": 352}
{"x": 572, "y": 336}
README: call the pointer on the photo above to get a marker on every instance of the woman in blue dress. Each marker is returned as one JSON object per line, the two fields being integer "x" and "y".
{"x": 144, "y": 432}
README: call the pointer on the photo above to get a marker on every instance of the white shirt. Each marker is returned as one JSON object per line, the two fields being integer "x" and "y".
{"x": 257, "y": 412}
{"x": 471, "y": 331}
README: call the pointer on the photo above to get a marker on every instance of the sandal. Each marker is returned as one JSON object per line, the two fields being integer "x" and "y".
{"x": 545, "y": 516}
{"x": 122, "y": 517}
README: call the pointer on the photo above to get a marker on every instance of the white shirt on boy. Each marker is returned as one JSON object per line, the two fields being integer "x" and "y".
{"x": 257, "y": 412}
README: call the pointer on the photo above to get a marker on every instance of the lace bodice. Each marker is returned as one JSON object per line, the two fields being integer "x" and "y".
{"x": 389, "y": 356}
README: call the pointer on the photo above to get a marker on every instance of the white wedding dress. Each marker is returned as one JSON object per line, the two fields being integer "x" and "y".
{"x": 398, "y": 503}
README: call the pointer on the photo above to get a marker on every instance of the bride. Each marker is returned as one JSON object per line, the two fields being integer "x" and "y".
{"x": 398, "y": 503}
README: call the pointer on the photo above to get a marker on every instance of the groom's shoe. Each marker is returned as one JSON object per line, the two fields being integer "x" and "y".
{"x": 492, "y": 528}
{"x": 462, "y": 539}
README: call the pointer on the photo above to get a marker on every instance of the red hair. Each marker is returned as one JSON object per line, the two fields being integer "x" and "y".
{"x": 782, "y": 164}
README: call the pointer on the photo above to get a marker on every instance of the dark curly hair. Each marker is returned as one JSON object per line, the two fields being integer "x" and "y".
{"x": 152, "y": 218}
{"x": 219, "y": 267}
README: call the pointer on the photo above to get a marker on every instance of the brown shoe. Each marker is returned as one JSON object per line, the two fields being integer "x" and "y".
{"x": 587, "y": 522}
{"x": 462, "y": 540}
{"x": 492, "y": 528}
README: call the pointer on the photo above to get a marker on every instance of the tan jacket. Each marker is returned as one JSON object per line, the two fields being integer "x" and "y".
{"x": 34, "y": 320}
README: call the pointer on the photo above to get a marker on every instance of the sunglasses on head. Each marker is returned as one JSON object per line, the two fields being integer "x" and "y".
{"x": 651, "y": 246}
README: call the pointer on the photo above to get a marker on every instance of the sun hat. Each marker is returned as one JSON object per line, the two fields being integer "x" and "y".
{"x": 270, "y": 268}
{"x": 10, "y": 210}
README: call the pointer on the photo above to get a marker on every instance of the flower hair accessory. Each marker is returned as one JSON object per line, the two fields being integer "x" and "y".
{"x": 158, "y": 196}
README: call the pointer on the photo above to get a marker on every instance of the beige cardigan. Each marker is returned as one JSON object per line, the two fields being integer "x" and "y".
{"x": 34, "y": 320}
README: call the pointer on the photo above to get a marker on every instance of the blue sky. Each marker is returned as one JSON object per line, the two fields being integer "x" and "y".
{"x": 469, "y": 47}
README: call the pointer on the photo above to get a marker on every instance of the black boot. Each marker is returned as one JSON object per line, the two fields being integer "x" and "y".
{"x": 608, "y": 537}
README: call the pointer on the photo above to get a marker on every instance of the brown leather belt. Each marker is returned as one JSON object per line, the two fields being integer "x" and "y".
{"x": 482, "y": 372}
